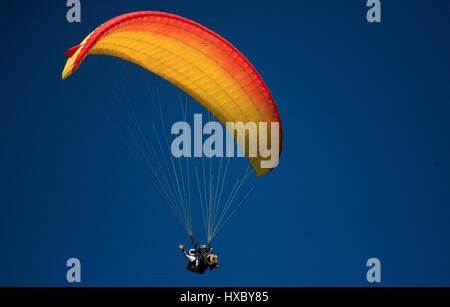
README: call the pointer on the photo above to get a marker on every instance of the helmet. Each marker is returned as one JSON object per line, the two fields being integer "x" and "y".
{"x": 192, "y": 251}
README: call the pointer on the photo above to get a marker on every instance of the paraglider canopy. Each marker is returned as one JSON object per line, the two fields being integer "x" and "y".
{"x": 197, "y": 60}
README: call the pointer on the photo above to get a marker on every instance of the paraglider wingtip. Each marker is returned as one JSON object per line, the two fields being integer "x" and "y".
{"x": 68, "y": 70}
{"x": 65, "y": 74}
{"x": 69, "y": 53}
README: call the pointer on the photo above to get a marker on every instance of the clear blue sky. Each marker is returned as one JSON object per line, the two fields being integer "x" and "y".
{"x": 364, "y": 171}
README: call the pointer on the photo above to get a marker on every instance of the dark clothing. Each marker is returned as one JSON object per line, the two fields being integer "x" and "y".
{"x": 202, "y": 255}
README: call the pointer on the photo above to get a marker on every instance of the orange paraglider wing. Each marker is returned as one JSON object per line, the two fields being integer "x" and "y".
{"x": 192, "y": 57}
